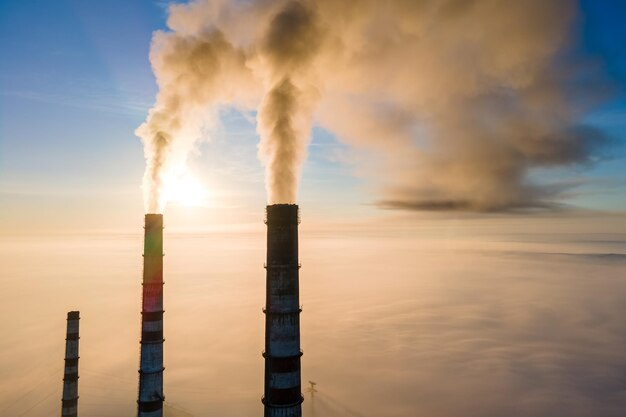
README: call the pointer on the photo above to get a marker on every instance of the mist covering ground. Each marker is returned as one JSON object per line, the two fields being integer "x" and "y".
{"x": 429, "y": 320}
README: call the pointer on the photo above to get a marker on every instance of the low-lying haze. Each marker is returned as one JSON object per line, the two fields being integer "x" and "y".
{"x": 400, "y": 319}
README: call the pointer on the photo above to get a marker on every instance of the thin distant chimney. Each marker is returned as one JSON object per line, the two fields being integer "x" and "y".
{"x": 150, "y": 401}
{"x": 283, "y": 394}
{"x": 69, "y": 407}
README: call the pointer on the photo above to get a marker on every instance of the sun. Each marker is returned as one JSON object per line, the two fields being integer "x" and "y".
{"x": 186, "y": 190}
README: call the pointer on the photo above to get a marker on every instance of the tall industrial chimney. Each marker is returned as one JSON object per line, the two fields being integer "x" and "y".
{"x": 283, "y": 396}
{"x": 69, "y": 403}
{"x": 150, "y": 402}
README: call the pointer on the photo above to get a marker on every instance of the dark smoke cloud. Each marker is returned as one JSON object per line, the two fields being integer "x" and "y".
{"x": 457, "y": 100}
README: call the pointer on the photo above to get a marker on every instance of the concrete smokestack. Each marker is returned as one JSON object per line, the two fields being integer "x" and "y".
{"x": 150, "y": 402}
{"x": 283, "y": 395}
{"x": 69, "y": 407}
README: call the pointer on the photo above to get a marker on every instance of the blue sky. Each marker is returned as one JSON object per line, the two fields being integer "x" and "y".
{"x": 75, "y": 81}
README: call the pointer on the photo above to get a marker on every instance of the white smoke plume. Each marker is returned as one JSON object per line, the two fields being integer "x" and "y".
{"x": 195, "y": 73}
{"x": 285, "y": 114}
{"x": 458, "y": 100}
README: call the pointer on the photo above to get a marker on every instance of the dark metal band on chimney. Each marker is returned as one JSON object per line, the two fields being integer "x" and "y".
{"x": 69, "y": 403}
{"x": 283, "y": 393}
{"x": 150, "y": 402}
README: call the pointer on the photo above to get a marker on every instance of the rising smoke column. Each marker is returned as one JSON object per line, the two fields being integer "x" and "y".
{"x": 195, "y": 72}
{"x": 456, "y": 102}
{"x": 285, "y": 114}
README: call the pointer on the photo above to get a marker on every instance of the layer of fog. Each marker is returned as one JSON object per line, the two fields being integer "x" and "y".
{"x": 394, "y": 324}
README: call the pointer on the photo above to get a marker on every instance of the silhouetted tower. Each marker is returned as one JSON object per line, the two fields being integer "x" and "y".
{"x": 283, "y": 396}
{"x": 150, "y": 402}
{"x": 69, "y": 403}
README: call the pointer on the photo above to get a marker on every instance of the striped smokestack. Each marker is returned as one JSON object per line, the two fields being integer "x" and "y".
{"x": 283, "y": 396}
{"x": 150, "y": 402}
{"x": 69, "y": 407}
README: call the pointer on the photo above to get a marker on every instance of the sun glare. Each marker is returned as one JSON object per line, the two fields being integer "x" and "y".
{"x": 186, "y": 190}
